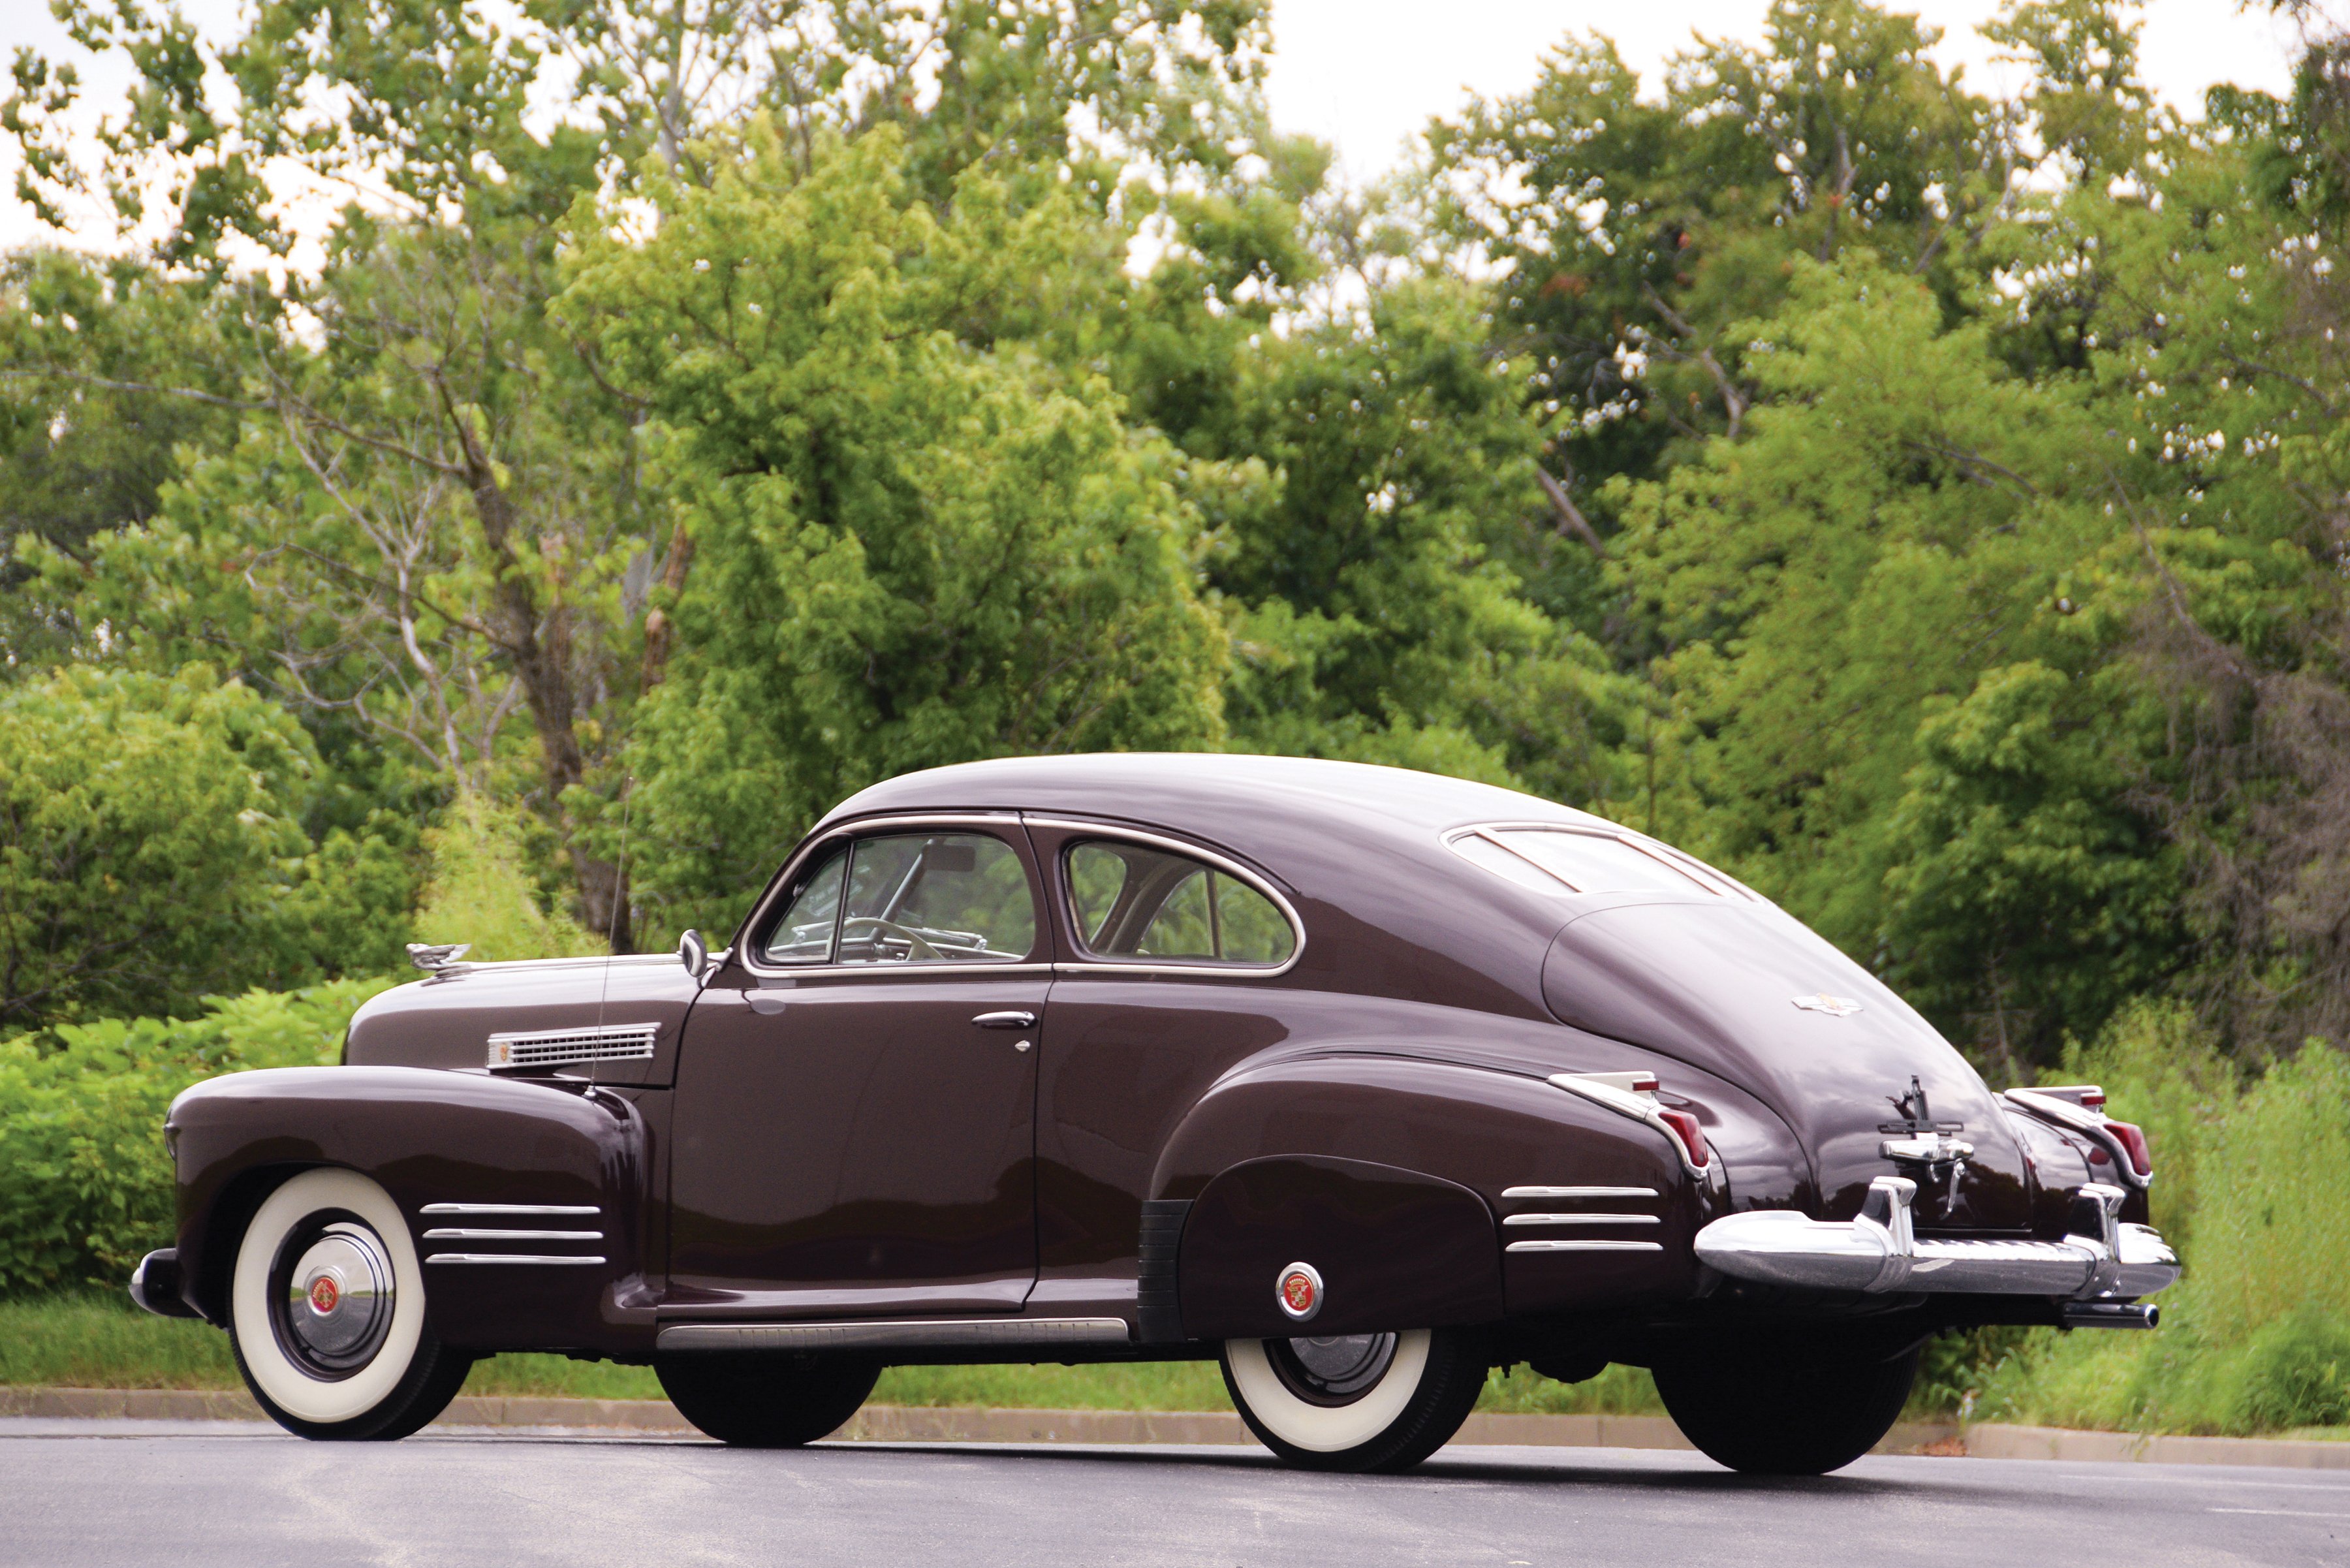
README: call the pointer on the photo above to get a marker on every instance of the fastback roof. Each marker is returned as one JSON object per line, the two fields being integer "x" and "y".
{"x": 1255, "y": 804}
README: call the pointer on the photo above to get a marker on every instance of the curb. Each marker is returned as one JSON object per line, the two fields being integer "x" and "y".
{"x": 950, "y": 1423}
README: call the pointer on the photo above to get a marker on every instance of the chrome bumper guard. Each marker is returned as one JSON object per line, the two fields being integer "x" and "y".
{"x": 1880, "y": 1253}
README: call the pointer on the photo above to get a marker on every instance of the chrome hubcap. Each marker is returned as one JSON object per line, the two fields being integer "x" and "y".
{"x": 337, "y": 1305}
{"x": 1333, "y": 1370}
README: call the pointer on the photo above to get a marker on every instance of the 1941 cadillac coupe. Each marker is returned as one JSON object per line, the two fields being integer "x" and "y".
{"x": 1363, "y": 1081}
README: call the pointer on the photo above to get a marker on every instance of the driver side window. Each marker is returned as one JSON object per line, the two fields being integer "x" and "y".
{"x": 911, "y": 897}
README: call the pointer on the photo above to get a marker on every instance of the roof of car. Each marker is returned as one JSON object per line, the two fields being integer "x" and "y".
{"x": 1254, "y": 804}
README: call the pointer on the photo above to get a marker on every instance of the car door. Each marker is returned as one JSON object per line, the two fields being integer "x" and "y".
{"x": 856, "y": 1100}
{"x": 1173, "y": 968}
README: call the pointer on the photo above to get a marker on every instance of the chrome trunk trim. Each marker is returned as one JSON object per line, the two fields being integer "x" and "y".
{"x": 510, "y": 1208}
{"x": 503, "y": 1258}
{"x": 1582, "y": 1219}
{"x": 894, "y": 1333}
{"x": 1880, "y": 1253}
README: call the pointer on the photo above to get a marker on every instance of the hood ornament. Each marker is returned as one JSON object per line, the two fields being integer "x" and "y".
{"x": 1820, "y": 1002}
{"x": 437, "y": 958}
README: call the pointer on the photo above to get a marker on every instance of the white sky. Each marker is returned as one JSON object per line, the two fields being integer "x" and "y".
{"x": 1366, "y": 74}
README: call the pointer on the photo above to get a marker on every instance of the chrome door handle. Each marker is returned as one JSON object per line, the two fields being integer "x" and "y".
{"x": 1013, "y": 1020}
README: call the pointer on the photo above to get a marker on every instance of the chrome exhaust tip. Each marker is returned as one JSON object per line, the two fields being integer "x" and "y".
{"x": 2111, "y": 1314}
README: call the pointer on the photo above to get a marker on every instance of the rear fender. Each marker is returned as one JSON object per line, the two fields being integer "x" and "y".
{"x": 432, "y": 1137}
{"x": 1373, "y": 1159}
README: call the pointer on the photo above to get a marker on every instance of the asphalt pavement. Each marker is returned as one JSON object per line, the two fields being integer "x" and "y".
{"x": 137, "y": 1494}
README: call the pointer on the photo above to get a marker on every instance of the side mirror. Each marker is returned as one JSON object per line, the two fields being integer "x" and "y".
{"x": 693, "y": 952}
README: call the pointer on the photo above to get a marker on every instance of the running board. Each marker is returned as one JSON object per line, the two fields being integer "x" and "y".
{"x": 924, "y": 1334}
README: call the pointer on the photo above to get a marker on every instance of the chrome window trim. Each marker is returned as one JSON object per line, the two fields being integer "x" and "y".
{"x": 1087, "y": 962}
{"x": 899, "y": 971}
{"x": 865, "y": 827}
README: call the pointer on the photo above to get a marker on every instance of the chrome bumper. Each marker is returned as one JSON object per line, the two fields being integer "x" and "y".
{"x": 1879, "y": 1253}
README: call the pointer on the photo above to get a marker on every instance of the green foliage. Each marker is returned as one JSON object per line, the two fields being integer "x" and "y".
{"x": 85, "y": 1180}
{"x": 152, "y": 849}
{"x": 482, "y": 892}
{"x": 907, "y": 551}
{"x": 2253, "y": 1337}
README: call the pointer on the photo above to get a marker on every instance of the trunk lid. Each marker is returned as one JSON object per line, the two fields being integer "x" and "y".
{"x": 1743, "y": 990}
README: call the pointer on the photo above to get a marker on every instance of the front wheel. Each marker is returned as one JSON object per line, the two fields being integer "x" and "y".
{"x": 1774, "y": 1411}
{"x": 327, "y": 1313}
{"x": 755, "y": 1401}
{"x": 1377, "y": 1402}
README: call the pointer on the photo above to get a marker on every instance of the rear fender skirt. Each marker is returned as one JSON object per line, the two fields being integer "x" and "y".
{"x": 550, "y": 1176}
{"x": 1526, "y": 1151}
{"x": 1388, "y": 1249}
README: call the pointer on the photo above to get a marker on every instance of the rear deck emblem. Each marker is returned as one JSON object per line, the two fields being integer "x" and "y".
{"x": 1299, "y": 1292}
{"x": 1834, "y": 1006}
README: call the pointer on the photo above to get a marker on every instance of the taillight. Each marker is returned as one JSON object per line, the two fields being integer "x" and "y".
{"x": 1684, "y": 1127}
{"x": 2133, "y": 1141}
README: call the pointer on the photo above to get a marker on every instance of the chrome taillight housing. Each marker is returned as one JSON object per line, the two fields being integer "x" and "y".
{"x": 2081, "y": 1108}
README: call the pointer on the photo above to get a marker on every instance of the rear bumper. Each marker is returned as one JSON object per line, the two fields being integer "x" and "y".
{"x": 1879, "y": 1253}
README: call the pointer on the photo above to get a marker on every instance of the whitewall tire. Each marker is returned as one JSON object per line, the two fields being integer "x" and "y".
{"x": 326, "y": 1313}
{"x": 1355, "y": 1402}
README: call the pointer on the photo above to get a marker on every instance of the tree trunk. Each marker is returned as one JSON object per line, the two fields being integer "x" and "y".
{"x": 542, "y": 663}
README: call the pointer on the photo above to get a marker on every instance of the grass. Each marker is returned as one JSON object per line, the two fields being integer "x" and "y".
{"x": 100, "y": 1342}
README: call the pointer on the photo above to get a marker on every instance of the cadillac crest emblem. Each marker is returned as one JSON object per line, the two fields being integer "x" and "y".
{"x": 1298, "y": 1292}
{"x": 1820, "y": 1002}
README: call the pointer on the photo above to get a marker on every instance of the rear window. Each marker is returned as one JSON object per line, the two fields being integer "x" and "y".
{"x": 1132, "y": 901}
{"x": 1581, "y": 861}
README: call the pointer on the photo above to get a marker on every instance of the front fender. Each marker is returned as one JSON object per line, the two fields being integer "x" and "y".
{"x": 1491, "y": 1135}
{"x": 430, "y": 1136}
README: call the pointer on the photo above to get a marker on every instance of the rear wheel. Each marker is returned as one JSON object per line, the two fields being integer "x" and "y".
{"x": 327, "y": 1313}
{"x": 765, "y": 1401}
{"x": 1356, "y": 1402}
{"x": 1767, "y": 1409}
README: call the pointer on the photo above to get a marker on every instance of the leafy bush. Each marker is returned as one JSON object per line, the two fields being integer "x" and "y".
{"x": 85, "y": 1183}
{"x": 153, "y": 849}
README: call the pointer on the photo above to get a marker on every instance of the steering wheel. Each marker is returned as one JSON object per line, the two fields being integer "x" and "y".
{"x": 912, "y": 939}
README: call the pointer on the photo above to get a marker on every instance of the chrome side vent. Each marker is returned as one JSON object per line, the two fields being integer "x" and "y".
{"x": 551, "y": 1048}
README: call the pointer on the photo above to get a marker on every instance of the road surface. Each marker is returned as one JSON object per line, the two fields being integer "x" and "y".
{"x": 131, "y": 1494}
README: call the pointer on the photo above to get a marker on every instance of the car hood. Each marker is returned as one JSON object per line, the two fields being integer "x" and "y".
{"x": 1745, "y": 991}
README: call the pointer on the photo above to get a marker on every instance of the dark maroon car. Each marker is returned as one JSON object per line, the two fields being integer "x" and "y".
{"x": 1362, "y": 1081}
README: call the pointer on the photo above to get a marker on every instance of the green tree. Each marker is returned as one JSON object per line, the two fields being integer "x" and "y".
{"x": 907, "y": 551}
{"x": 1635, "y": 234}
